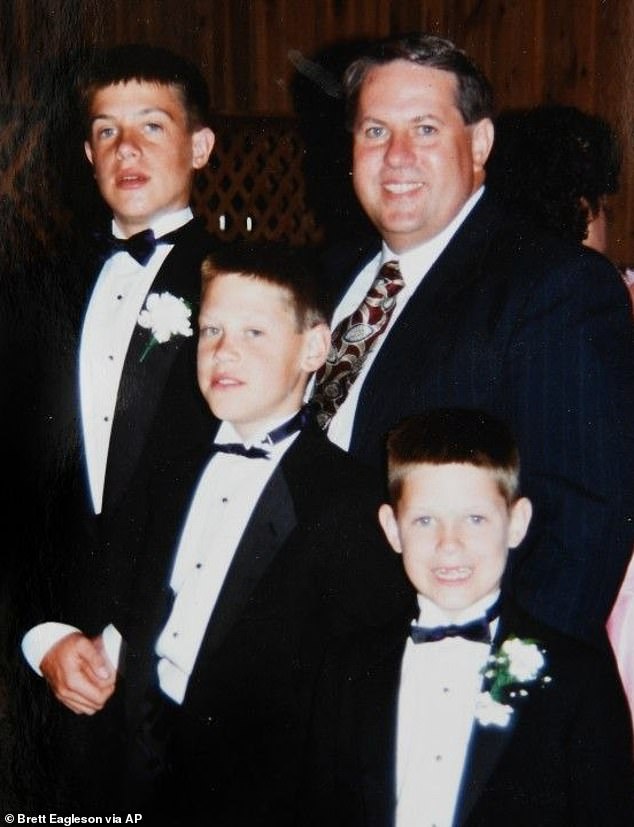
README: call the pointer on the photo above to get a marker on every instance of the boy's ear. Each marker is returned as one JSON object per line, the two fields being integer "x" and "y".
{"x": 316, "y": 347}
{"x": 521, "y": 513}
{"x": 88, "y": 150}
{"x": 387, "y": 518}
{"x": 202, "y": 143}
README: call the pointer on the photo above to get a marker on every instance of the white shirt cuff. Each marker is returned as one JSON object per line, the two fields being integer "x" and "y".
{"x": 38, "y": 640}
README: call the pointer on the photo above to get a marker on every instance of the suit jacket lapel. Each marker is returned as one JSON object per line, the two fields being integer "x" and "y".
{"x": 430, "y": 309}
{"x": 486, "y": 747}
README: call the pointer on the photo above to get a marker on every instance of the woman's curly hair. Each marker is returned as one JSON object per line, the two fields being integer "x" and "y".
{"x": 555, "y": 163}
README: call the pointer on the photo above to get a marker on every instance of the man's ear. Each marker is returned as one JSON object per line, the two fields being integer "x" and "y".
{"x": 387, "y": 518}
{"x": 202, "y": 143}
{"x": 521, "y": 513}
{"x": 316, "y": 347}
{"x": 481, "y": 142}
{"x": 88, "y": 150}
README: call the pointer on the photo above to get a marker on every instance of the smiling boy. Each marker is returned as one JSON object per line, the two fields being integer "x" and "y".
{"x": 418, "y": 724}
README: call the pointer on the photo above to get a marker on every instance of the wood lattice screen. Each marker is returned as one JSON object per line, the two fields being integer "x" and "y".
{"x": 254, "y": 184}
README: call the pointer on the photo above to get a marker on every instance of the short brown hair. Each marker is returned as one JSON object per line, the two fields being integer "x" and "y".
{"x": 291, "y": 268}
{"x": 445, "y": 436}
{"x": 143, "y": 63}
{"x": 474, "y": 95}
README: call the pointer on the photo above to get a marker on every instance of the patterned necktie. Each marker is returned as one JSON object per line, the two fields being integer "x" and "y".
{"x": 352, "y": 340}
{"x": 476, "y": 630}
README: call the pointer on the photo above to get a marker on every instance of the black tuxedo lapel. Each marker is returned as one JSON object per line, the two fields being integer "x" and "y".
{"x": 145, "y": 380}
{"x": 272, "y": 521}
{"x": 486, "y": 746}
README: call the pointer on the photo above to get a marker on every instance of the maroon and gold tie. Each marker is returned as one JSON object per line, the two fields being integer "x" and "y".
{"x": 352, "y": 340}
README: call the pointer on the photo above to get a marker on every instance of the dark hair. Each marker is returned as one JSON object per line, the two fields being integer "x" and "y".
{"x": 143, "y": 63}
{"x": 474, "y": 96}
{"x": 445, "y": 436}
{"x": 555, "y": 163}
{"x": 291, "y": 268}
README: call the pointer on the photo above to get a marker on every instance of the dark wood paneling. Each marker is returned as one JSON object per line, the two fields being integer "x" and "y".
{"x": 533, "y": 51}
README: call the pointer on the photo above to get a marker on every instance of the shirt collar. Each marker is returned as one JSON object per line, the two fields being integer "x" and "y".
{"x": 411, "y": 262}
{"x": 227, "y": 433}
{"x": 433, "y": 615}
{"x": 163, "y": 224}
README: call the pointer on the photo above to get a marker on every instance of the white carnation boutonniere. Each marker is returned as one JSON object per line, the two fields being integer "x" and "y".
{"x": 516, "y": 663}
{"x": 165, "y": 316}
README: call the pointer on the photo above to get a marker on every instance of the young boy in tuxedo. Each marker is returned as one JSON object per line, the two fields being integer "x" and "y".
{"x": 475, "y": 714}
{"x": 258, "y": 549}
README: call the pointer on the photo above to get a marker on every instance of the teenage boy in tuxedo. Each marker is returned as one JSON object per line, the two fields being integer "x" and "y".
{"x": 474, "y": 713}
{"x": 145, "y": 113}
{"x": 258, "y": 549}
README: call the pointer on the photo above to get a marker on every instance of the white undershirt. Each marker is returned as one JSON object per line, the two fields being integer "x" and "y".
{"x": 116, "y": 301}
{"x": 414, "y": 266}
{"x": 440, "y": 683}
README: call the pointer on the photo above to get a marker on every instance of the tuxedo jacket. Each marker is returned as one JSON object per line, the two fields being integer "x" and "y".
{"x": 159, "y": 405}
{"x": 537, "y": 331}
{"x": 312, "y": 564}
{"x": 565, "y": 757}
{"x": 159, "y": 410}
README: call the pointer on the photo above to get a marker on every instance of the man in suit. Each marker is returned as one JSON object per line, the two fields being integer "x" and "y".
{"x": 146, "y": 119}
{"x": 474, "y": 713}
{"x": 248, "y": 563}
{"x": 487, "y": 311}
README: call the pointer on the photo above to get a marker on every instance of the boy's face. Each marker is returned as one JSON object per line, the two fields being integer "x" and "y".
{"x": 143, "y": 151}
{"x": 453, "y": 527}
{"x": 253, "y": 364}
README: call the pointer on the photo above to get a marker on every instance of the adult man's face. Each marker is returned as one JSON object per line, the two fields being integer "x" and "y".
{"x": 143, "y": 151}
{"x": 415, "y": 161}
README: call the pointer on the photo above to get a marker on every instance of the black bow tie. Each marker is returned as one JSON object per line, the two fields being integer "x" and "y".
{"x": 140, "y": 246}
{"x": 295, "y": 423}
{"x": 476, "y": 630}
{"x": 240, "y": 450}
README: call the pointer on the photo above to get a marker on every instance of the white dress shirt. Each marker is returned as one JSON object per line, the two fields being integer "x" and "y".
{"x": 414, "y": 266}
{"x": 220, "y": 508}
{"x": 111, "y": 316}
{"x": 440, "y": 683}
{"x": 224, "y": 500}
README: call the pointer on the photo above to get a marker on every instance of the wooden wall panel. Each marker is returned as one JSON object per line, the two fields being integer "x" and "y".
{"x": 533, "y": 50}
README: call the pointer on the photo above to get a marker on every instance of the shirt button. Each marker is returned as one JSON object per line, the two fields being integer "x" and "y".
{"x": 438, "y": 757}
{"x": 174, "y": 634}
{"x": 119, "y": 297}
{"x": 199, "y": 565}
{"x": 225, "y": 499}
